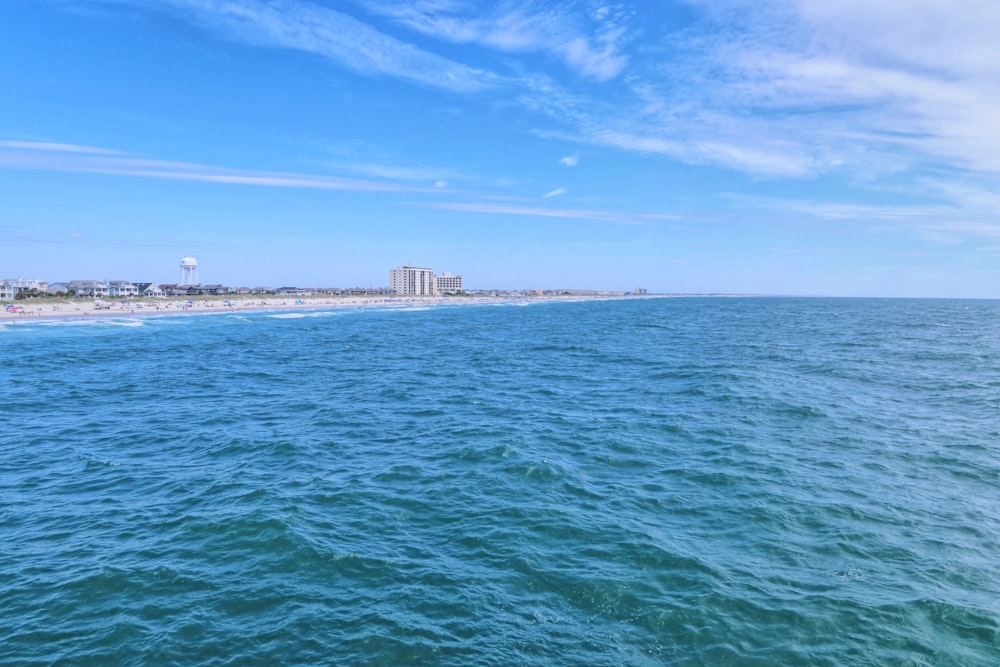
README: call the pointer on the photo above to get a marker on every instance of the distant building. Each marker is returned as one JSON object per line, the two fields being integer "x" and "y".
{"x": 363, "y": 291}
{"x": 412, "y": 281}
{"x": 293, "y": 291}
{"x": 10, "y": 287}
{"x": 208, "y": 290}
{"x": 122, "y": 288}
{"x": 87, "y": 288}
{"x": 149, "y": 290}
{"x": 448, "y": 284}
{"x": 194, "y": 290}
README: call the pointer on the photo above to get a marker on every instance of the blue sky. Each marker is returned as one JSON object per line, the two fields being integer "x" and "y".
{"x": 795, "y": 147}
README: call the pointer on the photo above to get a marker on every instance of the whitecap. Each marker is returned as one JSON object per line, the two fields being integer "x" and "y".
{"x": 121, "y": 323}
{"x": 325, "y": 313}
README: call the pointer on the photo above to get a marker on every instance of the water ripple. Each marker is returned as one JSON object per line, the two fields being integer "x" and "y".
{"x": 683, "y": 482}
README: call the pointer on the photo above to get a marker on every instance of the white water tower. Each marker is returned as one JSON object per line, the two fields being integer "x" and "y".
{"x": 189, "y": 271}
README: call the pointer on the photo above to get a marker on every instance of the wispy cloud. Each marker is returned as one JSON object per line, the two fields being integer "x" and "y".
{"x": 773, "y": 88}
{"x": 505, "y": 208}
{"x": 793, "y": 90}
{"x": 591, "y": 44}
{"x": 970, "y": 214}
{"x": 57, "y": 148}
{"x": 554, "y": 193}
{"x": 367, "y": 159}
{"x": 570, "y": 160}
{"x": 313, "y": 28}
{"x": 391, "y": 172}
{"x": 85, "y": 159}
{"x": 823, "y": 85}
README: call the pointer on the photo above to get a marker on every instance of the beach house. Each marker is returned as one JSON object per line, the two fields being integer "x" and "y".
{"x": 94, "y": 288}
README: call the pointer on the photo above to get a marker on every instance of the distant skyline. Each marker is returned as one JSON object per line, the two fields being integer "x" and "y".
{"x": 796, "y": 147}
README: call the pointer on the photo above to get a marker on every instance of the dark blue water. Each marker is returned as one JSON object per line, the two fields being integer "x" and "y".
{"x": 650, "y": 482}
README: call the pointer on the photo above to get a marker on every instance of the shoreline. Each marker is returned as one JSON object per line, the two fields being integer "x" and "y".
{"x": 35, "y": 312}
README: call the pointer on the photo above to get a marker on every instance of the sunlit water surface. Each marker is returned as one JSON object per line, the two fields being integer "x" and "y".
{"x": 649, "y": 482}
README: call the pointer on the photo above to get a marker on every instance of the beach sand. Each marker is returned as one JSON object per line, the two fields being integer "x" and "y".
{"x": 80, "y": 309}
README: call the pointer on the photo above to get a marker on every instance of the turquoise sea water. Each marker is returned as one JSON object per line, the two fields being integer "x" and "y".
{"x": 651, "y": 482}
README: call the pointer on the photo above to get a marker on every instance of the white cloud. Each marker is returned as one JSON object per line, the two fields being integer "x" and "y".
{"x": 44, "y": 156}
{"x": 772, "y": 88}
{"x": 597, "y": 215}
{"x": 794, "y": 90}
{"x": 912, "y": 77}
{"x": 758, "y": 155}
{"x": 554, "y": 193}
{"x": 362, "y": 158}
{"x": 57, "y": 148}
{"x": 390, "y": 171}
{"x": 971, "y": 213}
{"x": 590, "y": 45}
{"x": 570, "y": 160}
{"x": 310, "y": 27}
{"x": 601, "y": 63}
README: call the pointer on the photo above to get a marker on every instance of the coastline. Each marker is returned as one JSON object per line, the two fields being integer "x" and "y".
{"x": 204, "y": 306}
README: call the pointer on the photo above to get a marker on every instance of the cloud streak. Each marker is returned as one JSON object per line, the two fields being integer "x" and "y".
{"x": 912, "y": 78}
{"x": 336, "y": 36}
{"x": 596, "y": 215}
{"x": 765, "y": 87}
{"x": 591, "y": 45}
{"x": 971, "y": 215}
{"x": 800, "y": 89}
{"x": 84, "y": 159}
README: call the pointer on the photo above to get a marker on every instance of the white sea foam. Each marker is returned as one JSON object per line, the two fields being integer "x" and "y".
{"x": 298, "y": 316}
{"x": 66, "y": 323}
{"x": 123, "y": 323}
{"x": 88, "y": 322}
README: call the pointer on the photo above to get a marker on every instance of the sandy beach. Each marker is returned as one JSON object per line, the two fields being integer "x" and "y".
{"x": 83, "y": 309}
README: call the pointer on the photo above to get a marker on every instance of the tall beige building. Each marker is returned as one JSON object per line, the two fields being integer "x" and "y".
{"x": 412, "y": 280}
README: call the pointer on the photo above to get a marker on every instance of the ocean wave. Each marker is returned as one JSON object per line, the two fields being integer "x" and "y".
{"x": 564, "y": 485}
{"x": 86, "y": 322}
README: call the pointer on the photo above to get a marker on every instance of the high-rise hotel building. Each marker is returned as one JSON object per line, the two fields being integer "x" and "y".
{"x": 416, "y": 281}
{"x": 412, "y": 280}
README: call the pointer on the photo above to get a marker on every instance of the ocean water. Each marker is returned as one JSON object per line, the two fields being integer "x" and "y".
{"x": 728, "y": 481}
